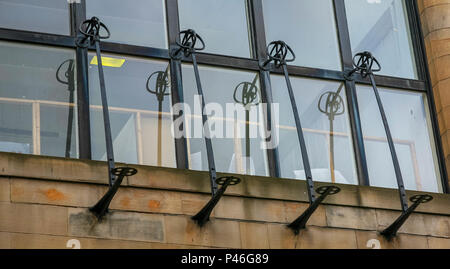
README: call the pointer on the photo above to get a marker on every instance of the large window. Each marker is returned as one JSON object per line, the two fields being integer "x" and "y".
{"x": 37, "y": 93}
{"x": 138, "y": 92}
{"x": 136, "y": 22}
{"x": 49, "y": 16}
{"x": 382, "y": 28}
{"x": 222, "y": 24}
{"x": 324, "y": 116}
{"x": 410, "y": 127}
{"x": 45, "y": 87}
{"x": 308, "y": 27}
{"x": 228, "y": 123}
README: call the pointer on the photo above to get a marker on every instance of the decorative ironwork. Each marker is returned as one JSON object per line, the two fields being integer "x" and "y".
{"x": 161, "y": 85}
{"x": 186, "y": 43}
{"x": 278, "y": 51}
{"x": 249, "y": 97}
{"x": 90, "y": 30}
{"x": 332, "y": 107}
{"x": 69, "y": 80}
{"x": 364, "y": 63}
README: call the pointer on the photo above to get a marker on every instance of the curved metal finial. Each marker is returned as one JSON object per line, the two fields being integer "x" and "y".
{"x": 187, "y": 41}
{"x": 364, "y": 64}
{"x": 277, "y": 51}
{"x": 90, "y": 29}
{"x": 161, "y": 85}
{"x": 249, "y": 94}
{"x": 333, "y": 105}
{"x": 67, "y": 74}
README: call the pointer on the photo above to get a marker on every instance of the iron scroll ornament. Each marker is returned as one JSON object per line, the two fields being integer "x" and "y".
{"x": 363, "y": 64}
{"x": 90, "y": 35}
{"x": 69, "y": 75}
{"x": 333, "y": 106}
{"x": 278, "y": 51}
{"x": 249, "y": 97}
{"x": 160, "y": 91}
{"x": 186, "y": 43}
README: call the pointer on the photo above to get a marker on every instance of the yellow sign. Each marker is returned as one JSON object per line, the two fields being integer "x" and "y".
{"x": 108, "y": 61}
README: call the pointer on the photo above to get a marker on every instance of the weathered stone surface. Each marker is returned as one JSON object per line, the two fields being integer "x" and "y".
{"x": 4, "y": 190}
{"x": 55, "y": 193}
{"x": 254, "y": 235}
{"x": 37, "y": 241}
{"x": 373, "y": 240}
{"x": 215, "y": 233}
{"x": 53, "y": 168}
{"x": 311, "y": 238}
{"x": 5, "y": 240}
{"x": 351, "y": 217}
{"x": 415, "y": 224}
{"x": 438, "y": 243}
{"x": 40, "y": 219}
{"x": 294, "y": 210}
{"x": 117, "y": 225}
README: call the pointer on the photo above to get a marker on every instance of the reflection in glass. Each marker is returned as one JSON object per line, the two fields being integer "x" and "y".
{"x": 222, "y": 24}
{"x": 323, "y": 112}
{"x": 409, "y": 123}
{"x": 139, "y": 107}
{"x": 382, "y": 28}
{"x": 229, "y": 126}
{"x": 135, "y": 22}
{"x": 49, "y": 16}
{"x": 309, "y": 27}
{"x": 37, "y": 90}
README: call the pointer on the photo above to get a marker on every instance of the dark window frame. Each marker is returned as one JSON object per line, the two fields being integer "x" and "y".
{"x": 77, "y": 14}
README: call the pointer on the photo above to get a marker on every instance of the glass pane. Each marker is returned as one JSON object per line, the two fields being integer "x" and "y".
{"x": 324, "y": 116}
{"x": 37, "y": 96}
{"x": 49, "y": 16}
{"x": 234, "y": 151}
{"x": 308, "y": 27}
{"x": 135, "y": 22}
{"x": 140, "y": 134}
{"x": 222, "y": 24}
{"x": 382, "y": 28}
{"x": 408, "y": 119}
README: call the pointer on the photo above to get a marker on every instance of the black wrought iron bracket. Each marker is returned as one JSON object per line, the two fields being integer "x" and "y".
{"x": 186, "y": 44}
{"x": 366, "y": 64}
{"x": 278, "y": 52}
{"x": 203, "y": 215}
{"x": 300, "y": 222}
{"x": 90, "y": 35}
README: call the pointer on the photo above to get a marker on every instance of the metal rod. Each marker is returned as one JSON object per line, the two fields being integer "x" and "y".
{"x": 364, "y": 63}
{"x": 398, "y": 173}
{"x": 91, "y": 34}
{"x": 188, "y": 46}
{"x": 106, "y": 120}
{"x": 278, "y": 52}
{"x": 301, "y": 138}
{"x": 209, "y": 148}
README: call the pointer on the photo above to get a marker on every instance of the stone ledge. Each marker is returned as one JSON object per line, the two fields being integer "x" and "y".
{"x": 159, "y": 178}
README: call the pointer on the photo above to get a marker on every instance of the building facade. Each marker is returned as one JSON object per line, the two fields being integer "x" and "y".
{"x": 52, "y": 137}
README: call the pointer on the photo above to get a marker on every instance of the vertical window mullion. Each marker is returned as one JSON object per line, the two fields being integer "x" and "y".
{"x": 350, "y": 87}
{"x": 259, "y": 40}
{"x": 78, "y": 15}
{"x": 173, "y": 28}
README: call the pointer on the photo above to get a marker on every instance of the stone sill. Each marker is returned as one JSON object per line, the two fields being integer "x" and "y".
{"x": 95, "y": 172}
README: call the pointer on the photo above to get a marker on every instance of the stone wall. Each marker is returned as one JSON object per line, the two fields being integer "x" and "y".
{"x": 435, "y": 18}
{"x": 44, "y": 204}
